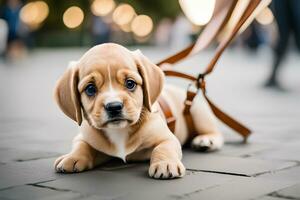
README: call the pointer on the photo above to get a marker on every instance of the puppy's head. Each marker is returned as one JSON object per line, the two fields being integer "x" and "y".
{"x": 109, "y": 86}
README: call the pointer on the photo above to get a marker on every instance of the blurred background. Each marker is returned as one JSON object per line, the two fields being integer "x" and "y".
{"x": 50, "y": 23}
{"x": 27, "y": 25}
{"x": 86, "y": 23}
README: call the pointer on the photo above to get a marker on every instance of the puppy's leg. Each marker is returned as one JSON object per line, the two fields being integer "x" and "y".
{"x": 165, "y": 160}
{"x": 82, "y": 157}
{"x": 209, "y": 137}
{"x": 142, "y": 155}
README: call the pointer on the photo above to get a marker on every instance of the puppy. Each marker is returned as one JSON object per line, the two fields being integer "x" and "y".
{"x": 111, "y": 93}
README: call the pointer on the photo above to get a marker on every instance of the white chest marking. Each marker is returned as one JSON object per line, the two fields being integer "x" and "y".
{"x": 119, "y": 139}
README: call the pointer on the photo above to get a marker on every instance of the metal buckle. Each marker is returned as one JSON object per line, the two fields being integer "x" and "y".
{"x": 201, "y": 82}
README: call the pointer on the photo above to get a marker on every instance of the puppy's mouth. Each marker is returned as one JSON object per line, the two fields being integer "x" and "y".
{"x": 116, "y": 120}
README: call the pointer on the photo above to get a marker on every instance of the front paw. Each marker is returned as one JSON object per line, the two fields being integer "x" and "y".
{"x": 166, "y": 169}
{"x": 72, "y": 163}
{"x": 206, "y": 143}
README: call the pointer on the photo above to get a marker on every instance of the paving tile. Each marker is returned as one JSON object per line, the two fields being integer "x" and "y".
{"x": 8, "y": 155}
{"x": 44, "y": 145}
{"x": 282, "y": 152}
{"x": 292, "y": 192}
{"x": 36, "y": 193}
{"x": 157, "y": 195}
{"x": 3, "y": 198}
{"x": 233, "y": 165}
{"x": 134, "y": 181}
{"x": 99, "y": 197}
{"x": 19, "y": 173}
{"x": 242, "y": 149}
{"x": 37, "y": 129}
{"x": 16, "y": 127}
{"x": 242, "y": 189}
{"x": 290, "y": 174}
{"x": 270, "y": 198}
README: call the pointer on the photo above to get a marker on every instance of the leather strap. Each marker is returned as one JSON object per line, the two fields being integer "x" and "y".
{"x": 170, "y": 119}
{"x": 222, "y": 13}
{"x": 222, "y": 46}
{"x": 187, "y": 111}
{"x": 231, "y": 122}
{"x": 225, "y": 118}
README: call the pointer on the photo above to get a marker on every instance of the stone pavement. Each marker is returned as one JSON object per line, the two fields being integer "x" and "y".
{"x": 33, "y": 132}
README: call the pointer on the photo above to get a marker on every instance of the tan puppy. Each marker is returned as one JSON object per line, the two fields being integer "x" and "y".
{"x": 111, "y": 93}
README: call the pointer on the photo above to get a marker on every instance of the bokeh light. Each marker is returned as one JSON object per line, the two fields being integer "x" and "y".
{"x": 265, "y": 17}
{"x": 34, "y": 13}
{"x": 123, "y": 14}
{"x": 126, "y": 28}
{"x": 199, "y": 12}
{"x": 73, "y": 17}
{"x": 102, "y": 7}
{"x": 142, "y": 25}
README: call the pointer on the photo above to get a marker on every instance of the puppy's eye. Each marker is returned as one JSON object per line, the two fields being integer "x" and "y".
{"x": 130, "y": 84}
{"x": 90, "y": 90}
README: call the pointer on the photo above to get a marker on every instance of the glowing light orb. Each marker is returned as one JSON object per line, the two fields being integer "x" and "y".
{"x": 102, "y": 7}
{"x": 123, "y": 14}
{"x": 34, "y": 13}
{"x": 199, "y": 12}
{"x": 73, "y": 17}
{"x": 142, "y": 25}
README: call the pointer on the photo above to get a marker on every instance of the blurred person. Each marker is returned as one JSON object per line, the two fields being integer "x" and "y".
{"x": 253, "y": 37}
{"x": 10, "y": 12}
{"x": 163, "y": 32}
{"x": 287, "y": 15}
{"x": 181, "y": 33}
{"x": 100, "y": 30}
{"x": 3, "y": 36}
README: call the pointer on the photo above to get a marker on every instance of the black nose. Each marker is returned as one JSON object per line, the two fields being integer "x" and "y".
{"x": 114, "y": 107}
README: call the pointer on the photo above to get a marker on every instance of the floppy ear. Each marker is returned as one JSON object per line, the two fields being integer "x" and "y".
{"x": 153, "y": 78}
{"x": 67, "y": 95}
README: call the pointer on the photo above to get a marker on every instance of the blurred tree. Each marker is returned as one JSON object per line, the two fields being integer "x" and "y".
{"x": 53, "y": 32}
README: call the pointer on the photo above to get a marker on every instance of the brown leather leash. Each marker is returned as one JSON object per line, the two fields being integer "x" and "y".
{"x": 222, "y": 13}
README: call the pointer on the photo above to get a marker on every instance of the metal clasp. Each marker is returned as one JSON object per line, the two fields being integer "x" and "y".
{"x": 201, "y": 82}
